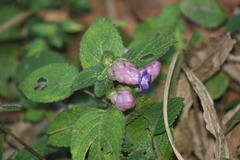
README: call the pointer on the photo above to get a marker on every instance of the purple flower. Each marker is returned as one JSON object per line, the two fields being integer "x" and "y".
{"x": 123, "y": 72}
{"x": 123, "y": 99}
{"x": 144, "y": 80}
{"x": 148, "y": 74}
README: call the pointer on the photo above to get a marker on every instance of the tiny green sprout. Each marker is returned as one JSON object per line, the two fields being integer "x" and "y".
{"x": 108, "y": 59}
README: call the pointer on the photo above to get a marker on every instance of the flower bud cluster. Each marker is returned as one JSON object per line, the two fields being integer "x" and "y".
{"x": 125, "y": 72}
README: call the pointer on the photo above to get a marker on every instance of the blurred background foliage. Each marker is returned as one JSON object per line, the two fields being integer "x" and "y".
{"x": 34, "y": 33}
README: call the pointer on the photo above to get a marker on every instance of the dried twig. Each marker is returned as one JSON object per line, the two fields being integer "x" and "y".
{"x": 30, "y": 149}
{"x": 234, "y": 58}
{"x": 165, "y": 105}
{"x": 111, "y": 10}
{"x": 209, "y": 114}
{"x": 15, "y": 20}
{"x": 230, "y": 114}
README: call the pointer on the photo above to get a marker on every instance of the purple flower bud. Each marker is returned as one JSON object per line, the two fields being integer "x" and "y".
{"x": 123, "y": 72}
{"x": 148, "y": 74}
{"x": 123, "y": 99}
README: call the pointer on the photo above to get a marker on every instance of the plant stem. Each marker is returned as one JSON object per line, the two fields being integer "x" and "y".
{"x": 15, "y": 20}
{"x": 93, "y": 95}
{"x": 30, "y": 149}
{"x": 165, "y": 104}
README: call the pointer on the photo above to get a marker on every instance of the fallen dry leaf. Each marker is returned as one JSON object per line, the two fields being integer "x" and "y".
{"x": 209, "y": 114}
{"x": 216, "y": 57}
{"x": 54, "y": 15}
{"x": 145, "y": 9}
{"x": 234, "y": 143}
{"x": 184, "y": 90}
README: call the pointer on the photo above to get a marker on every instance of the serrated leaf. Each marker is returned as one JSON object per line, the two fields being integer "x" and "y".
{"x": 23, "y": 154}
{"x": 212, "y": 85}
{"x": 50, "y": 83}
{"x": 103, "y": 128}
{"x": 101, "y": 87}
{"x": 163, "y": 147}
{"x": 153, "y": 112}
{"x": 87, "y": 77}
{"x": 169, "y": 18}
{"x": 140, "y": 137}
{"x": 101, "y": 37}
{"x": 207, "y": 13}
{"x": 150, "y": 49}
{"x": 60, "y": 129}
{"x": 30, "y": 64}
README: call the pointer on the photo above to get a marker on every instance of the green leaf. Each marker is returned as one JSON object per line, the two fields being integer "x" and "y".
{"x": 163, "y": 147}
{"x": 7, "y": 13}
{"x": 50, "y": 31}
{"x": 45, "y": 29}
{"x": 32, "y": 63}
{"x": 232, "y": 104}
{"x": 34, "y": 115}
{"x": 233, "y": 24}
{"x": 38, "y": 45}
{"x": 60, "y": 129}
{"x": 101, "y": 87}
{"x": 82, "y": 99}
{"x": 7, "y": 71}
{"x": 197, "y": 38}
{"x": 1, "y": 144}
{"x": 23, "y": 154}
{"x": 169, "y": 18}
{"x": 87, "y": 77}
{"x": 102, "y": 129}
{"x": 50, "y": 83}
{"x": 233, "y": 121}
{"x": 40, "y": 4}
{"x": 222, "y": 159}
{"x": 101, "y": 37}
{"x": 80, "y": 5}
{"x": 214, "y": 83}
{"x": 150, "y": 49}
{"x": 153, "y": 112}
{"x": 11, "y": 107}
{"x": 140, "y": 138}
{"x": 207, "y": 13}
{"x": 71, "y": 26}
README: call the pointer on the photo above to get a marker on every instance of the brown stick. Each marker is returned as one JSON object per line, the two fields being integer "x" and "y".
{"x": 15, "y": 20}
{"x": 30, "y": 149}
{"x": 165, "y": 104}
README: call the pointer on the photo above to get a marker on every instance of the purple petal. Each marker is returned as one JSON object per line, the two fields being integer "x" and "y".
{"x": 144, "y": 80}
